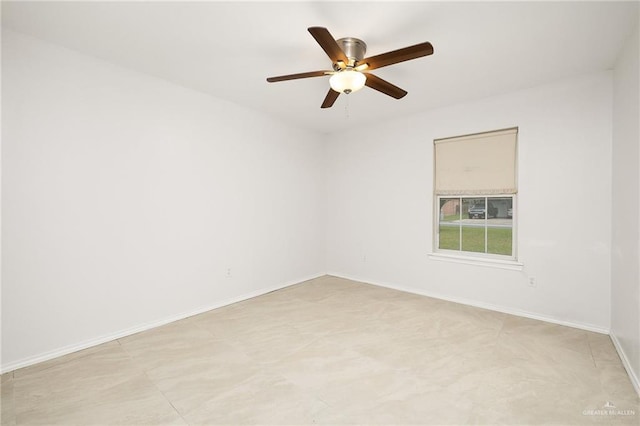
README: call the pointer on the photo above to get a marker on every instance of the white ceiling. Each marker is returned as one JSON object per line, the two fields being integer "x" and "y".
{"x": 227, "y": 49}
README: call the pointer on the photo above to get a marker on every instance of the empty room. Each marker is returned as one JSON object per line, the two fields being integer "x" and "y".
{"x": 337, "y": 213}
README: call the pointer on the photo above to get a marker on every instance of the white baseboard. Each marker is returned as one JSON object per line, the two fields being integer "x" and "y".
{"x": 153, "y": 324}
{"x": 626, "y": 363}
{"x": 46, "y": 356}
{"x": 477, "y": 304}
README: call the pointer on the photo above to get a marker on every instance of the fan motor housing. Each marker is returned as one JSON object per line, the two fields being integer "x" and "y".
{"x": 353, "y": 48}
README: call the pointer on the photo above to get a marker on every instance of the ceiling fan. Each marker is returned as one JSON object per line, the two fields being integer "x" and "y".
{"x": 351, "y": 69}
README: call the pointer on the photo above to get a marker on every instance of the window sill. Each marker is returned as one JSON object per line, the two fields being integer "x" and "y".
{"x": 491, "y": 263}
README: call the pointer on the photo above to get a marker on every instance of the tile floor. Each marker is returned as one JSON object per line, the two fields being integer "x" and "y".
{"x": 333, "y": 351}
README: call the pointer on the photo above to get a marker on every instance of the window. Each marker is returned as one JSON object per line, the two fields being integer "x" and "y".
{"x": 476, "y": 224}
{"x": 475, "y": 191}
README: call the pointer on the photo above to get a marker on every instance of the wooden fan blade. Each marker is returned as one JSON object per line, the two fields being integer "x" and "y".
{"x": 329, "y": 100}
{"x": 400, "y": 55}
{"x": 296, "y": 76}
{"x": 328, "y": 44}
{"x": 384, "y": 86}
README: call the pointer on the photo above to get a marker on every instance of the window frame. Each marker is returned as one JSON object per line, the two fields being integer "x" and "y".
{"x": 481, "y": 189}
{"x": 470, "y": 255}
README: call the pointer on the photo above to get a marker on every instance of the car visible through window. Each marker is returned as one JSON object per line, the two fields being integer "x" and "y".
{"x": 478, "y": 211}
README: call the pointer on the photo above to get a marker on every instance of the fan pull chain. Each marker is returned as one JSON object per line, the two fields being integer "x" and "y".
{"x": 346, "y": 108}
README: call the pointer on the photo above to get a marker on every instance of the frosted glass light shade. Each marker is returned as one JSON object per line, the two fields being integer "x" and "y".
{"x": 347, "y": 81}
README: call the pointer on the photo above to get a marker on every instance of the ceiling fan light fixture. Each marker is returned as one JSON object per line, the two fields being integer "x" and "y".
{"x": 347, "y": 81}
{"x": 349, "y": 63}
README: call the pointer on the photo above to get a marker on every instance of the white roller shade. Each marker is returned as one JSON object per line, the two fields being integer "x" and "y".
{"x": 482, "y": 163}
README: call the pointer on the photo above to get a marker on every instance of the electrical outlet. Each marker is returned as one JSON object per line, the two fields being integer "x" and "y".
{"x": 533, "y": 282}
{"x": 229, "y": 272}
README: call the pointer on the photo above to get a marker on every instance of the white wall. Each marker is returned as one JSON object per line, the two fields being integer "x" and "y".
{"x": 380, "y": 208}
{"x": 127, "y": 199}
{"x": 625, "y": 258}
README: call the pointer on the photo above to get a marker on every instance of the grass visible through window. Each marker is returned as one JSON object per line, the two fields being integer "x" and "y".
{"x": 498, "y": 239}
